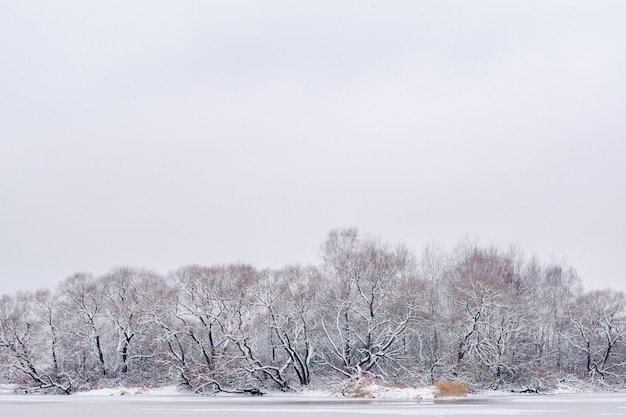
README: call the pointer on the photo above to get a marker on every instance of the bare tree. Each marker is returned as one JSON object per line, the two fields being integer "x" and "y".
{"x": 598, "y": 328}
{"x": 128, "y": 295}
{"x": 367, "y": 310}
{"x": 490, "y": 312}
{"x": 486, "y": 315}
{"x": 218, "y": 310}
{"x": 82, "y": 303}
{"x": 27, "y": 344}
{"x": 289, "y": 297}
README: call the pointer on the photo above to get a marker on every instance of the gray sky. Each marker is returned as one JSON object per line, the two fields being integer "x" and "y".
{"x": 162, "y": 133}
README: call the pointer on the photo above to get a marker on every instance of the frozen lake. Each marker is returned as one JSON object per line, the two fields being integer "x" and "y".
{"x": 583, "y": 405}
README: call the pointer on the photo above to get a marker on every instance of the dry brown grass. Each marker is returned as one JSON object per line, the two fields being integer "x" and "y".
{"x": 450, "y": 388}
{"x": 361, "y": 387}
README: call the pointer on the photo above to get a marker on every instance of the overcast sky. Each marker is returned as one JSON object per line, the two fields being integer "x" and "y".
{"x": 165, "y": 133}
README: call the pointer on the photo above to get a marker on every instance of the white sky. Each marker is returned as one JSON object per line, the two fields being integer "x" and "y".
{"x": 160, "y": 133}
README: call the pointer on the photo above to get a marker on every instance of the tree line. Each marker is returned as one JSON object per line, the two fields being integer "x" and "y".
{"x": 488, "y": 316}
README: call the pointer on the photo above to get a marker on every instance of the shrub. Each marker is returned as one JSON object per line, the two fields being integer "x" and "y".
{"x": 450, "y": 388}
{"x": 369, "y": 387}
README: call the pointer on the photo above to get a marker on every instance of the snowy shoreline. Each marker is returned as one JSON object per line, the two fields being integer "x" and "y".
{"x": 131, "y": 402}
{"x": 373, "y": 392}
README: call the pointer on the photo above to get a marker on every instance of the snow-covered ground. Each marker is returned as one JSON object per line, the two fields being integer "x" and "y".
{"x": 374, "y": 390}
{"x": 371, "y": 391}
{"x": 110, "y": 392}
{"x": 127, "y": 402}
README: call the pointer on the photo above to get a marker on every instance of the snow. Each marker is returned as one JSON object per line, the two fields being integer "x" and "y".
{"x": 127, "y": 402}
{"x": 95, "y": 405}
{"x": 375, "y": 399}
{"x": 372, "y": 391}
{"x": 397, "y": 393}
{"x": 7, "y": 388}
{"x": 110, "y": 392}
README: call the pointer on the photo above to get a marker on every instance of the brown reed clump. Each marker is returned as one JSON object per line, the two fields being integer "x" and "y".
{"x": 451, "y": 388}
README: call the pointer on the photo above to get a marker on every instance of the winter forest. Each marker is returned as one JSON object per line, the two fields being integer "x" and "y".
{"x": 491, "y": 317}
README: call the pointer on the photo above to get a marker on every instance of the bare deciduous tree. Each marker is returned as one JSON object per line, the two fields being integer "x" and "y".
{"x": 367, "y": 312}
